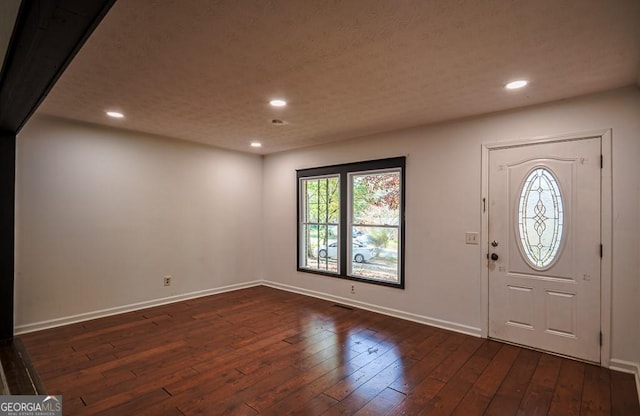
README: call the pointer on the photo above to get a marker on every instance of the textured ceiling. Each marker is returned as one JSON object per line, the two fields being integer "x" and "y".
{"x": 8, "y": 13}
{"x": 204, "y": 70}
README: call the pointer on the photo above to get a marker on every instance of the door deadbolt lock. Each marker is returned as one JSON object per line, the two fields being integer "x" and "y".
{"x": 494, "y": 243}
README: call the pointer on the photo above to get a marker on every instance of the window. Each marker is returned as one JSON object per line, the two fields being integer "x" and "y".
{"x": 540, "y": 218}
{"x": 320, "y": 225}
{"x": 351, "y": 221}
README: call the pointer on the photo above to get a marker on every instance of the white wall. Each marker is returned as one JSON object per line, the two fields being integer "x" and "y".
{"x": 103, "y": 215}
{"x": 443, "y": 202}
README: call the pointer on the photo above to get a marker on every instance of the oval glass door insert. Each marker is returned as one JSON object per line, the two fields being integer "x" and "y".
{"x": 540, "y": 218}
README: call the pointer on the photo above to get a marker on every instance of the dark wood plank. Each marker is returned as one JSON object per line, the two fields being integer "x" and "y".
{"x": 508, "y": 397}
{"x": 537, "y": 398}
{"x": 369, "y": 390}
{"x": 424, "y": 393}
{"x": 269, "y": 352}
{"x": 441, "y": 345}
{"x": 453, "y": 391}
{"x": 624, "y": 398}
{"x": 596, "y": 393}
{"x": 567, "y": 396}
{"x": 383, "y": 403}
{"x": 483, "y": 390}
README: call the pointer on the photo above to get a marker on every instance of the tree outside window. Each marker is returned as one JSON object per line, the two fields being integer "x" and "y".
{"x": 320, "y": 222}
{"x": 375, "y": 221}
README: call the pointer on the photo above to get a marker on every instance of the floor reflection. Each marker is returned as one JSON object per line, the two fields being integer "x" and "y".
{"x": 355, "y": 361}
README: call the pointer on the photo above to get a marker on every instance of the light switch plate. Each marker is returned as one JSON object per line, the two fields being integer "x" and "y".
{"x": 472, "y": 238}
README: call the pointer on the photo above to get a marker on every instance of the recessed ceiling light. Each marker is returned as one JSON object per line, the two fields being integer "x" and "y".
{"x": 115, "y": 114}
{"x": 256, "y": 144}
{"x": 278, "y": 102}
{"x": 514, "y": 85}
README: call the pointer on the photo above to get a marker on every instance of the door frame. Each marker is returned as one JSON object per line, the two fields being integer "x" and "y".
{"x": 606, "y": 227}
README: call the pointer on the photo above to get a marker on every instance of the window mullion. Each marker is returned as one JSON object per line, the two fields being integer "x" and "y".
{"x": 326, "y": 218}
{"x": 318, "y": 219}
{"x": 344, "y": 233}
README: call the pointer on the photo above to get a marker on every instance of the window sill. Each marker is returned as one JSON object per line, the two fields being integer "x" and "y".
{"x": 353, "y": 278}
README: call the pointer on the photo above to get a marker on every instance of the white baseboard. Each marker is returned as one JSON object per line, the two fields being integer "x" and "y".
{"x": 627, "y": 367}
{"x": 439, "y": 323}
{"x": 38, "y": 326}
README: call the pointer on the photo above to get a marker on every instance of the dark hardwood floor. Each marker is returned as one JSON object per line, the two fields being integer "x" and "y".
{"x": 269, "y": 352}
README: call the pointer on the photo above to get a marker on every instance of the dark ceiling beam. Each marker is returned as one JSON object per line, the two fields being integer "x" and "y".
{"x": 7, "y": 225}
{"x": 46, "y": 37}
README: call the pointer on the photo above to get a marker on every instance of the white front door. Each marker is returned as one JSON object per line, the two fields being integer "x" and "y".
{"x": 544, "y": 246}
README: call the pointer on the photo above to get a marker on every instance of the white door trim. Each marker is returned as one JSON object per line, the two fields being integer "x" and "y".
{"x": 606, "y": 228}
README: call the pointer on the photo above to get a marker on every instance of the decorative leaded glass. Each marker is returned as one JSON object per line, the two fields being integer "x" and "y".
{"x": 541, "y": 218}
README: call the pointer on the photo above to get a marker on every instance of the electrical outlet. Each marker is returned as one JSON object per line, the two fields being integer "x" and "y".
{"x": 353, "y": 289}
{"x": 167, "y": 280}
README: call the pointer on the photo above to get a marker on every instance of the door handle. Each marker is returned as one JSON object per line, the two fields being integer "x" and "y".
{"x": 494, "y": 256}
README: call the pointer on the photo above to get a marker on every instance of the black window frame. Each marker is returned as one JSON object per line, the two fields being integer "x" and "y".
{"x": 343, "y": 171}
